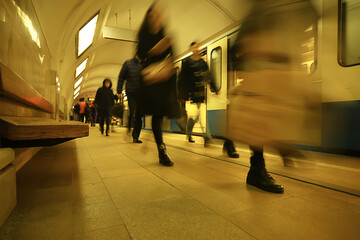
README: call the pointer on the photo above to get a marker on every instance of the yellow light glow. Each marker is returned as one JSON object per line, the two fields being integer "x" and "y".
{"x": 78, "y": 82}
{"x": 310, "y": 28}
{"x": 41, "y": 58}
{"x": 28, "y": 24}
{"x": 86, "y": 35}
{"x": 81, "y": 68}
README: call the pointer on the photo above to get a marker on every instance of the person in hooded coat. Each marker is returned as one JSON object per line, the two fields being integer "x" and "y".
{"x": 105, "y": 100}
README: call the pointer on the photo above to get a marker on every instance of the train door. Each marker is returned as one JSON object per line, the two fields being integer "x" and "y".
{"x": 216, "y": 103}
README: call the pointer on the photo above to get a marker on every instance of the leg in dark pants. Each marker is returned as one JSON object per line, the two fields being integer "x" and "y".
{"x": 137, "y": 127}
{"x": 164, "y": 158}
{"x": 156, "y": 127}
{"x": 258, "y": 176}
{"x": 82, "y": 117}
{"x": 101, "y": 122}
{"x": 132, "y": 105}
{"x": 182, "y": 120}
{"x": 108, "y": 121}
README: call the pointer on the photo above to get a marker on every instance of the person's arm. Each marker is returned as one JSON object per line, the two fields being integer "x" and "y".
{"x": 97, "y": 97}
{"x": 115, "y": 97}
{"x": 122, "y": 77}
{"x": 161, "y": 46}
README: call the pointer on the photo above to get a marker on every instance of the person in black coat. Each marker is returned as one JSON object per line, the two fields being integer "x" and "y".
{"x": 158, "y": 99}
{"x": 105, "y": 99}
{"x": 131, "y": 73}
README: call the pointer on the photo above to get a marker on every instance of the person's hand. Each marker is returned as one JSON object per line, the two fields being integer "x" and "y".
{"x": 119, "y": 95}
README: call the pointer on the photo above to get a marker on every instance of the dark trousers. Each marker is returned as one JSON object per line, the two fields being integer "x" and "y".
{"x": 82, "y": 117}
{"x": 93, "y": 118}
{"x": 156, "y": 127}
{"x": 134, "y": 115}
{"x": 102, "y": 119}
{"x": 257, "y": 158}
{"x": 132, "y": 105}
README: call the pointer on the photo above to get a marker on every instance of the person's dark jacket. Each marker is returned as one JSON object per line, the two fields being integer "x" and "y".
{"x": 131, "y": 72}
{"x": 192, "y": 80}
{"x": 105, "y": 99}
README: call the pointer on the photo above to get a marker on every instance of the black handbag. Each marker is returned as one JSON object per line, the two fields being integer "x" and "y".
{"x": 118, "y": 109}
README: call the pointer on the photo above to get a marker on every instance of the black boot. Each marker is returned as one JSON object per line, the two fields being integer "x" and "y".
{"x": 164, "y": 158}
{"x": 259, "y": 177}
{"x": 229, "y": 148}
{"x": 190, "y": 139}
{"x": 136, "y": 140}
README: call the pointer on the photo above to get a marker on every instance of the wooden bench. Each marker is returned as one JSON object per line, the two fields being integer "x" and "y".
{"x": 33, "y": 132}
{"x": 28, "y": 131}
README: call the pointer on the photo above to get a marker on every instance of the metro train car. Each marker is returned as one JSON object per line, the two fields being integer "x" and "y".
{"x": 331, "y": 59}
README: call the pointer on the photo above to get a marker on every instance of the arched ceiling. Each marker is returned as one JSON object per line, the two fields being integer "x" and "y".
{"x": 187, "y": 20}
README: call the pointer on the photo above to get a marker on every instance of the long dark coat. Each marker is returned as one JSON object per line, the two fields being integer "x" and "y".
{"x": 158, "y": 99}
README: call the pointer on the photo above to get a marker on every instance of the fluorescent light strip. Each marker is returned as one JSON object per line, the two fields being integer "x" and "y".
{"x": 76, "y": 95}
{"x": 81, "y": 68}
{"x": 86, "y": 35}
{"x": 78, "y": 82}
{"x": 77, "y": 91}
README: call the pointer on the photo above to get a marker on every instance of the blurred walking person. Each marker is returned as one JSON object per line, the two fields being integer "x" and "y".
{"x": 193, "y": 78}
{"x": 264, "y": 108}
{"x": 82, "y": 111}
{"x": 131, "y": 73}
{"x": 158, "y": 85}
{"x": 93, "y": 113}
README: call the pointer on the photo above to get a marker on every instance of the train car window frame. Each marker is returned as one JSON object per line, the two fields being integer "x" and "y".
{"x": 77, "y": 38}
{"x": 212, "y": 67}
{"x": 343, "y": 40}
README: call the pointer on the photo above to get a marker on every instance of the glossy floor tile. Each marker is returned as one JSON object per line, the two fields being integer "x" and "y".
{"x": 110, "y": 188}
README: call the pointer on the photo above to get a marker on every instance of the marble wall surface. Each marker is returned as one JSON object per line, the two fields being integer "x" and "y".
{"x": 23, "y": 48}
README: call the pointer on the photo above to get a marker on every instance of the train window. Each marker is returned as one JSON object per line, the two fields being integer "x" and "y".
{"x": 215, "y": 64}
{"x": 349, "y": 34}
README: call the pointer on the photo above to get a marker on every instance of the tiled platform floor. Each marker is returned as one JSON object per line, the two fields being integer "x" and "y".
{"x": 109, "y": 188}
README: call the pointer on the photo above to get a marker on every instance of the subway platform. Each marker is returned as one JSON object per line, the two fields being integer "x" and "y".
{"x": 110, "y": 188}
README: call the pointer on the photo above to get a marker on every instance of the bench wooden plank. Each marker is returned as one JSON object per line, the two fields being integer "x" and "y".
{"x": 14, "y": 87}
{"x": 30, "y": 128}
